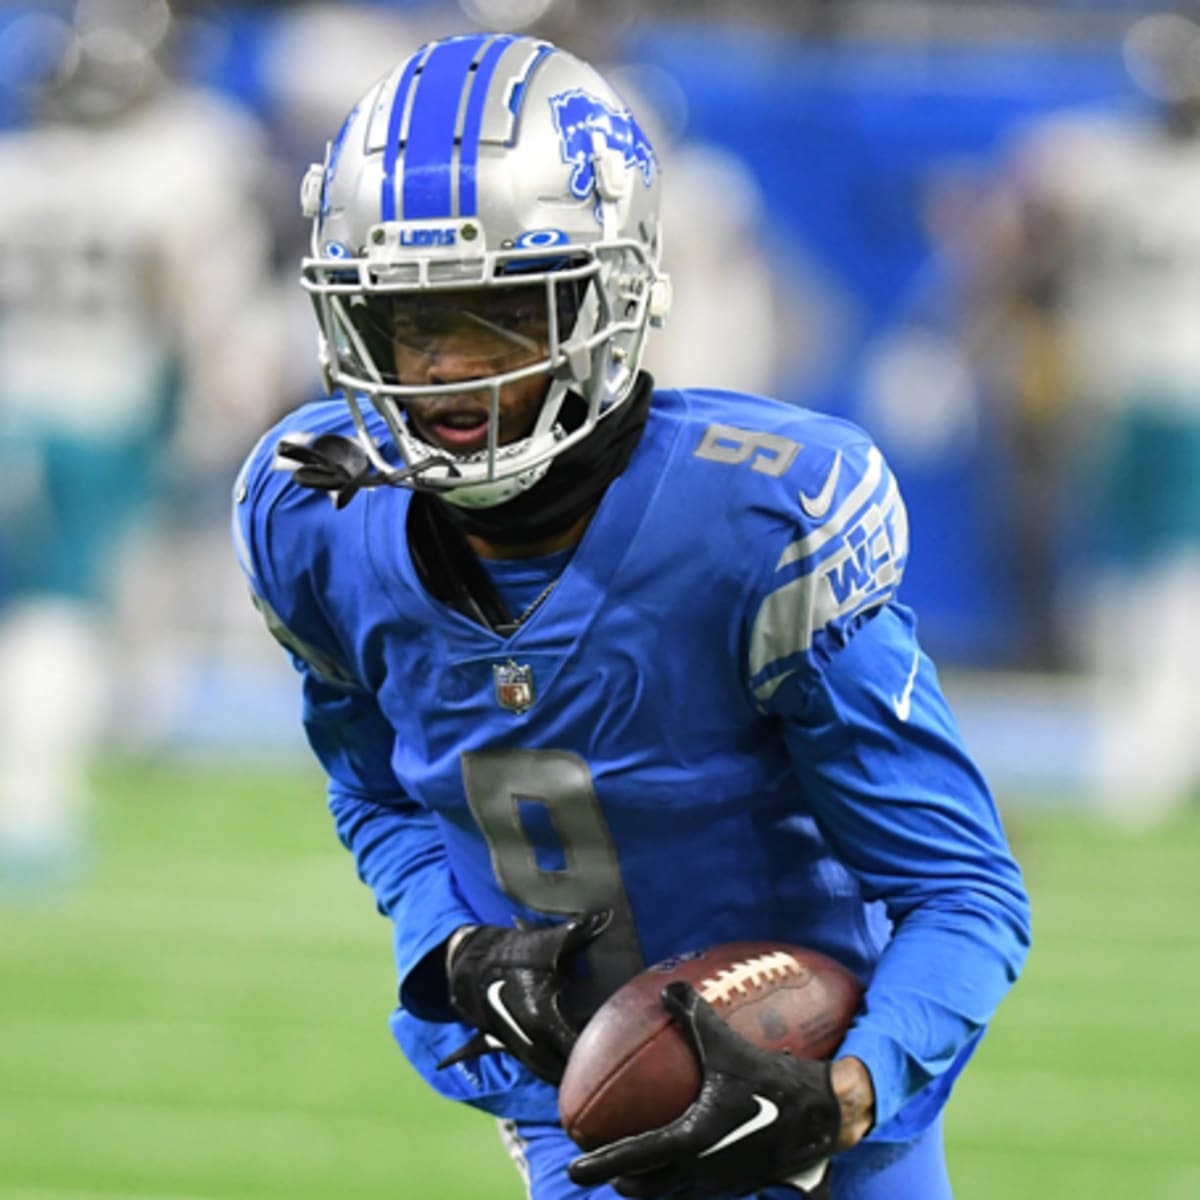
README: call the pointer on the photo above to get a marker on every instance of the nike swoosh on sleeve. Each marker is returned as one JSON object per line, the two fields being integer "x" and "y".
{"x": 818, "y": 505}
{"x": 767, "y": 1112}
{"x": 903, "y": 702}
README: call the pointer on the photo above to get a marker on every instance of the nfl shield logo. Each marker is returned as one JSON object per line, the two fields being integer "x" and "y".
{"x": 514, "y": 686}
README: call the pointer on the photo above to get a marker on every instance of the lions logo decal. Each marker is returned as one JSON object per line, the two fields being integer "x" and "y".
{"x": 577, "y": 116}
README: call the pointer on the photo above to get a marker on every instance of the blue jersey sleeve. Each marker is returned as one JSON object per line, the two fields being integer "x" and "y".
{"x": 903, "y": 806}
{"x": 397, "y": 848}
{"x": 835, "y": 658}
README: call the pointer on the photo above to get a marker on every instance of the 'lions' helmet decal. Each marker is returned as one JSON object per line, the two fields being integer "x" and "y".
{"x": 449, "y": 176}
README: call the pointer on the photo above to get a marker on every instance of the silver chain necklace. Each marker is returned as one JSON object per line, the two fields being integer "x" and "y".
{"x": 508, "y": 628}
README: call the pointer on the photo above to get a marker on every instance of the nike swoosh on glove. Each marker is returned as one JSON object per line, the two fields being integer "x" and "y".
{"x": 761, "y": 1118}
{"x": 508, "y": 983}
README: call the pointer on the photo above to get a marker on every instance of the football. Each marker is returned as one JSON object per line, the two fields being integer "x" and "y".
{"x": 632, "y": 1068}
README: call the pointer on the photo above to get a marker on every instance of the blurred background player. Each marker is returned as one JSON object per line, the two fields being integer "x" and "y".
{"x": 1094, "y": 250}
{"x": 132, "y": 256}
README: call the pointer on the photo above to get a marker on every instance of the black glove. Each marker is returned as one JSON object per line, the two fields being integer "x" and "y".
{"x": 760, "y": 1119}
{"x": 507, "y": 983}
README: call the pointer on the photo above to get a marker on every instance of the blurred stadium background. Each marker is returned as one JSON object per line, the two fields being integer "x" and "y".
{"x": 972, "y": 227}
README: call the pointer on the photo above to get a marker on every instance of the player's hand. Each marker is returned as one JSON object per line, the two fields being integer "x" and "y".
{"x": 508, "y": 984}
{"x": 761, "y": 1118}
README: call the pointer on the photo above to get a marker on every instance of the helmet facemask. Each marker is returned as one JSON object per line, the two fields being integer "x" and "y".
{"x": 545, "y": 321}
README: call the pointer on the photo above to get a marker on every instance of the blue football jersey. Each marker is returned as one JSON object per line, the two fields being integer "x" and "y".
{"x": 718, "y": 725}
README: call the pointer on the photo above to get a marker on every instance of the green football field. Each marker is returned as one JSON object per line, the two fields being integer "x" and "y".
{"x": 205, "y": 1016}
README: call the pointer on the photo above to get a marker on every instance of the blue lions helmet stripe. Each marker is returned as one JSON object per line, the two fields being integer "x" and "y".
{"x": 430, "y": 151}
{"x": 391, "y": 148}
{"x": 577, "y": 115}
{"x": 467, "y": 204}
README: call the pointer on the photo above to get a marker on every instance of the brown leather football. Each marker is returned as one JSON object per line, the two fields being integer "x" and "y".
{"x": 632, "y": 1068}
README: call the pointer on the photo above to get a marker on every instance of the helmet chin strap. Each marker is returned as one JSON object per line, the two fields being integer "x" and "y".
{"x": 341, "y": 467}
{"x": 573, "y": 485}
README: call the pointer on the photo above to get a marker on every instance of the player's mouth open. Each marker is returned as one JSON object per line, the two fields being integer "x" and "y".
{"x": 463, "y": 431}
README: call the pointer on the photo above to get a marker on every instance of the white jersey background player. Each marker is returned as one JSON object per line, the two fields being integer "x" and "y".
{"x": 1122, "y": 193}
{"x": 131, "y": 256}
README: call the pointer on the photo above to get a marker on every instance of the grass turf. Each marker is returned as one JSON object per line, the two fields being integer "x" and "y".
{"x": 204, "y": 1016}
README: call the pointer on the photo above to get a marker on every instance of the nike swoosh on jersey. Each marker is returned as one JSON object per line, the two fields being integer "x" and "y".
{"x": 817, "y": 506}
{"x": 903, "y": 702}
{"x": 501, "y": 1010}
{"x": 767, "y": 1112}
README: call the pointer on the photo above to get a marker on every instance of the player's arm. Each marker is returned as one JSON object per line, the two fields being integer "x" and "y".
{"x": 507, "y": 983}
{"x": 881, "y": 768}
{"x": 397, "y": 847}
{"x": 905, "y": 809}
{"x": 762, "y": 1117}
{"x": 395, "y": 842}
{"x": 880, "y": 764}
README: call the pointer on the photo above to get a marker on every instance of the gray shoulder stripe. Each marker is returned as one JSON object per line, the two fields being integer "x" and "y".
{"x": 240, "y": 548}
{"x": 792, "y": 614}
{"x": 812, "y": 542}
{"x": 241, "y": 493}
{"x": 785, "y": 623}
{"x": 863, "y": 570}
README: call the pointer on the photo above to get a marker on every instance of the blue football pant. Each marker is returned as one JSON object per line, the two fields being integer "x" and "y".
{"x": 913, "y": 1170}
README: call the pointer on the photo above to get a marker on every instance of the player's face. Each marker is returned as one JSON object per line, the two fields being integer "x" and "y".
{"x": 462, "y": 337}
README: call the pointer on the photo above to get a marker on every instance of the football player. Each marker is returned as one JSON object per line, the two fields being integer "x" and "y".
{"x": 602, "y": 673}
{"x": 1095, "y": 241}
{"x": 125, "y": 283}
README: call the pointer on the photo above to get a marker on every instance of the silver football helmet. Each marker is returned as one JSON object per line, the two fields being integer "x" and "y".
{"x": 497, "y": 187}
